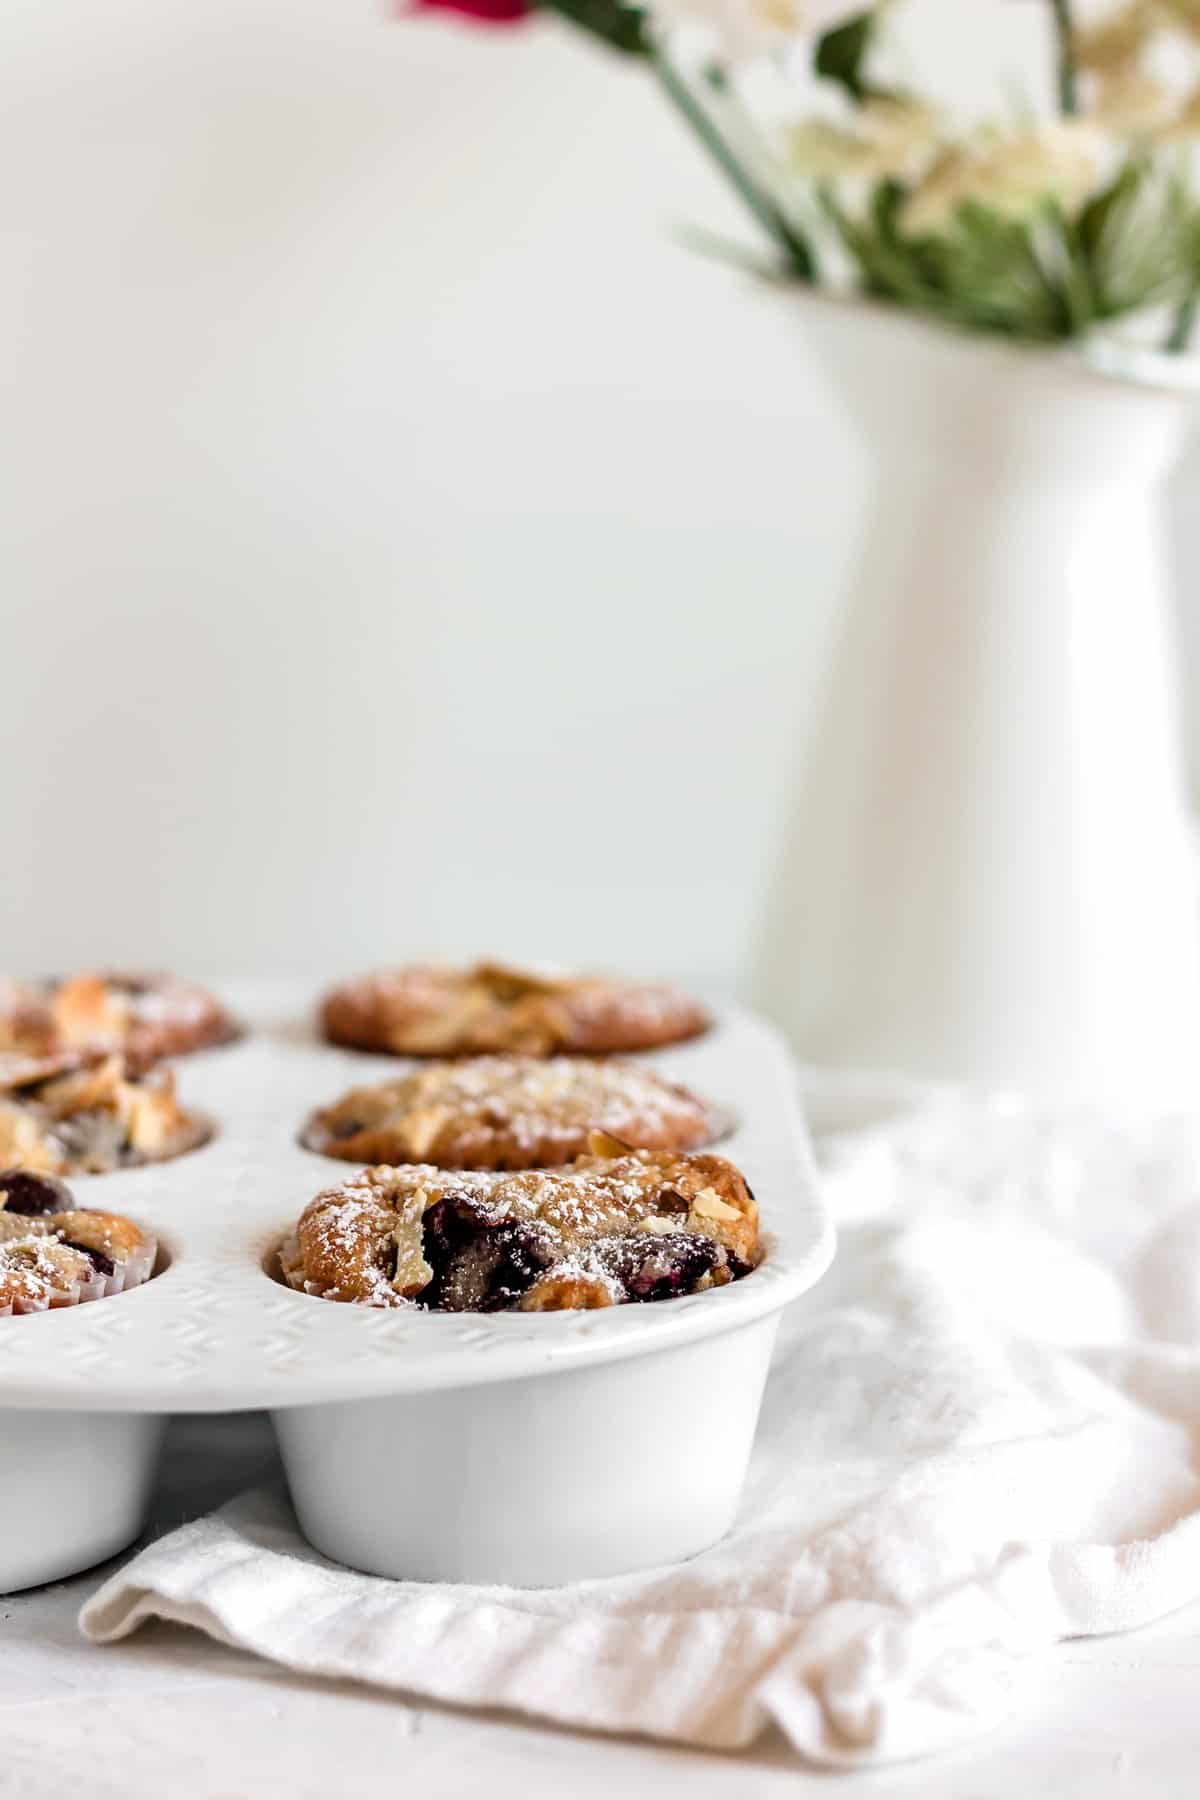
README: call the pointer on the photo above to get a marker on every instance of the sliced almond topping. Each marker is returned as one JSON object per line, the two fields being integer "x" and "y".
{"x": 441, "y": 1031}
{"x": 86, "y": 1010}
{"x": 421, "y": 1130}
{"x": 97, "y": 1087}
{"x": 23, "y": 1145}
{"x": 412, "y": 1271}
{"x": 708, "y": 1204}
{"x": 603, "y": 1143}
{"x": 657, "y": 1226}
{"x": 152, "y": 1118}
{"x": 509, "y": 983}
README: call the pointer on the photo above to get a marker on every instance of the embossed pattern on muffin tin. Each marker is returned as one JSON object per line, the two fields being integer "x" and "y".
{"x": 215, "y": 1331}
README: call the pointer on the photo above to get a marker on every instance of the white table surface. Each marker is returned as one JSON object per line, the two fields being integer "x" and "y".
{"x": 169, "y": 1712}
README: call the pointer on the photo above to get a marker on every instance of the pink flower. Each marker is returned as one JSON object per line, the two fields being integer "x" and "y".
{"x": 487, "y": 12}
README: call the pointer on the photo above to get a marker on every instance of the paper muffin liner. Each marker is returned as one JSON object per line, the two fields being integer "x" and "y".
{"x": 288, "y": 1258}
{"x": 136, "y": 1268}
{"x": 291, "y": 1271}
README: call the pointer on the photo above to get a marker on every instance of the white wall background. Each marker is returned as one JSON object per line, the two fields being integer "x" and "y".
{"x": 404, "y": 543}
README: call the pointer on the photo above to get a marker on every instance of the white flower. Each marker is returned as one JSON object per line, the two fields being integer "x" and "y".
{"x": 827, "y": 152}
{"x": 1115, "y": 43}
{"x": 891, "y": 135}
{"x": 745, "y": 29}
{"x": 1133, "y": 104}
{"x": 1184, "y": 15}
{"x": 1012, "y": 176}
{"x": 1117, "y": 40}
{"x": 1185, "y": 125}
{"x": 901, "y": 125}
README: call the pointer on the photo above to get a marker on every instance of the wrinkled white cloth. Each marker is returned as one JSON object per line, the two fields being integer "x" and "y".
{"x": 980, "y": 1436}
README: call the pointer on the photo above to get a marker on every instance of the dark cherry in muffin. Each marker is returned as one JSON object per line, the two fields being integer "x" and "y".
{"x": 613, "y": 1227}
{"x": 55, "y": 1254}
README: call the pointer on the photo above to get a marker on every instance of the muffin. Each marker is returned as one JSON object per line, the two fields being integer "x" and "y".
{"x": 615, "y": 1226}
{"x": 94, "y": 1120}
{"x": 54, "y": 1254}
{"x": 143, "y": 1017}
{"x": 510, "y": 1112}
{"x": 428, "y": 1011}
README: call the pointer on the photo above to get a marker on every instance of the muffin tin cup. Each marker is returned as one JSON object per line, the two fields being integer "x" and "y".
{"x": 514, "y": 1447}
{"x": 535, "y": 1482}
{"x": 75, "y": 1488}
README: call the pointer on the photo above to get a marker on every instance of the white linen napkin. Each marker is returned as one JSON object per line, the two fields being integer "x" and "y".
{"x": 977, "y": 1439}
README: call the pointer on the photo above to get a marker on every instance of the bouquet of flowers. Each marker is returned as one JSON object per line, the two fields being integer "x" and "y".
{"x": 1039, "y": 228}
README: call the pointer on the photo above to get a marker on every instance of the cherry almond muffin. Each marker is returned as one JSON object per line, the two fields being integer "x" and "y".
{"x": 510, "y": 1112}
{"x": 143, "y": 1017}
{"x": 54, "y": 1254}
{"x": 94, "y": 1120}
{"x": 424, "y": 1010}
{"x": 614, "y": 1226}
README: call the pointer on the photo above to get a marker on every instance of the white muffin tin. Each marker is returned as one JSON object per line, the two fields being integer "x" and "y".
{"x": 511, "y": 1447}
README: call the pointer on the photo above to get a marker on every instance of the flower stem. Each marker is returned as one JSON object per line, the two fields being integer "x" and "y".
{"x": 1183, "y": 325}
{"x": 790, "y": 240}
{"x": 1068, "y": 84}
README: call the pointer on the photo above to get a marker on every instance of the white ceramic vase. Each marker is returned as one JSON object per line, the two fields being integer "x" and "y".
{"x": 988, "y": 867}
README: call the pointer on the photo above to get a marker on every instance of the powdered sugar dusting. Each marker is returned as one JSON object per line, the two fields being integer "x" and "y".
{"x": 424, "y": 1010}
{"x": 563, "y": 1235}
{"x": 145, "y": 1017}
{"x": 44, "y": 1259}
{"x": 510, "y": 1112}
{"x": 95, "y": 1119}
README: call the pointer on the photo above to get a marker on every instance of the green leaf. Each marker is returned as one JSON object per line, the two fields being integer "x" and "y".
{"x": 1144, "y": 252}
{"x": 1072, "y": 271}
{"x": 1183, "y": 324}
{"x": 1106, "y": 209}
{"x": 756, "y": 196}
{"x": 887, "y": 263}
{"x": 1047, "y": 276}
{"x": 620, "y": 27}
{"x": 840, "y": 54}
